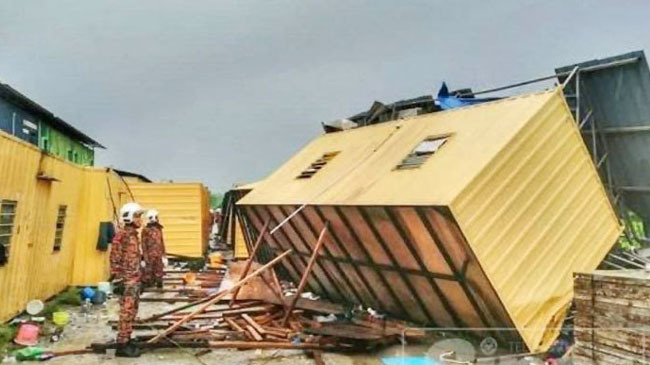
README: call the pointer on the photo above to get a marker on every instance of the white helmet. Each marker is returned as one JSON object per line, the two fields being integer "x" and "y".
{"x": 129, "y": 211}
{"x": 152, "y": 216}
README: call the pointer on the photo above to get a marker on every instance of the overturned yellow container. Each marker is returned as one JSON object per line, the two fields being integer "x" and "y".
{"x": 474, "y": 217}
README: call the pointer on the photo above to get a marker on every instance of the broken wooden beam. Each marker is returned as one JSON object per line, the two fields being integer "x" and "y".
{"x": 219, "y": 296}
{"x": 250, "y": 260}
{"x": 305, "y": 275}
{"x": 253, "y": 332}
{"x": 243, "y": 345}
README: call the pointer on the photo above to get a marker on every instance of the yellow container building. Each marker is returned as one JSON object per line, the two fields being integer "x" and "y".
{"x": 473, "y": 217}
{"x": 184, "y": 210}
{"x": 50, "y": 211}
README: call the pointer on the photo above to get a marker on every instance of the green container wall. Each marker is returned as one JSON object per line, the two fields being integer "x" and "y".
{"x": 58, "y": 144}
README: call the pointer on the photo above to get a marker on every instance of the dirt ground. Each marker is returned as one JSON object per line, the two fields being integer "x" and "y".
{"x": 85, "y": 329}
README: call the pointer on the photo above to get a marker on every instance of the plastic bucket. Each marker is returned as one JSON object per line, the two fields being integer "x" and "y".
{"x": 35, "y": 307}
{"x": 27, "y": 334}
{"x": 60, "y": 318}
{"x": 99, "y": 297}
{"x": 104, "y": 286}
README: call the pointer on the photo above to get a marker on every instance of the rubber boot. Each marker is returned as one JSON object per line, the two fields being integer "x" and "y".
{"x": 128, "y": 349}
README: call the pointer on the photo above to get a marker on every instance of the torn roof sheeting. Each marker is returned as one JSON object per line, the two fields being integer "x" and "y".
{"x": 380, "y": 112}
{"x": 481, "y": 230}
{"x": 616, "y": 92}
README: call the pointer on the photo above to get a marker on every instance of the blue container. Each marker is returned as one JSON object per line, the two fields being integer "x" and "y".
{"x": 87, "y": 293}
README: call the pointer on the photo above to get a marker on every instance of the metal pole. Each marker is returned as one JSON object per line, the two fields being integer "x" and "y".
{"x": 594, "y": 148}
{"x": 511, "y": 86}
{"x": 623, "y": 62}
{"x": 578, "y": 96}
{"x": 568, "y": 79}
{"x": 585, "y": 119}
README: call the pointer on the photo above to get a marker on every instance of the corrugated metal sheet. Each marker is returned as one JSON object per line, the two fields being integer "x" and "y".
{"x": 363, "y": 172}
{"x": 184, "y": 212}
{"x": 34, "y": 269}
{"x": 617, "y": 92}
{"x": 108, "y": 194}
{"x": 58, "y": 144}
{"x": 489, "y": 228}
{"x": 537, "y": 214}
{"x": 240, "y": 251}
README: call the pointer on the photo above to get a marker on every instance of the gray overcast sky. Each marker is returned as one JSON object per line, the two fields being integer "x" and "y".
{"x": 225, "y": 91}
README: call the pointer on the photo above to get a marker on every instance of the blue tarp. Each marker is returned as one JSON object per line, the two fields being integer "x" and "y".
{"x": 447, "y": 101}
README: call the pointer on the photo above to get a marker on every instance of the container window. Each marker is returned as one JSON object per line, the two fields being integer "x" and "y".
{"x": 422, "y": 152}
{"x": 70, "y": 156}
{"x": 30, "y": 128}
{"x": 7, "y": 219}
{"x": 60, "y": 224}
{"x": 317, "y": 165}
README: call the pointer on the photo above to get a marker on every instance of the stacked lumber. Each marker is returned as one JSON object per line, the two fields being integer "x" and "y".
{"x": 612, "y": 323}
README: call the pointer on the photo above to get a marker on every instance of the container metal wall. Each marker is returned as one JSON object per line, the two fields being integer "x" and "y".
{"x": 65, "y": 147}
{"x": 35, "y": 270}
{"x": 58, "y": 144}
{"x": 535, "y": 215}
{"x": 105, "y": 193}
{"x": 184, "y": 212}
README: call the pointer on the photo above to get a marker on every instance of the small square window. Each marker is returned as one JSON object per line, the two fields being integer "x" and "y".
{"x": 7, "y": 219}
{"x": 422, "y": 152}
{"x": 60, "y": 225}
{"x": 317, "y": 165}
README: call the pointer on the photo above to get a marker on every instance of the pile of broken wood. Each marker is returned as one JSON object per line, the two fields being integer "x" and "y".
{"x": 252, "y": 312}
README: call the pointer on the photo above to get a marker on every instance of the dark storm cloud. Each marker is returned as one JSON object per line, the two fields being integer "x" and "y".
{"x": 225, "y": 91}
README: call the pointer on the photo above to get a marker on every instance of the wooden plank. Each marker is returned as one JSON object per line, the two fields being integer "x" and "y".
{"x": 305, "y": 276}
{"x": 251, "y": 258}
{"x": 234, "y": 325}
{"x": 256, "y": 335}
{"x": 242, "y": 345}
{"x": 253, "y": 324}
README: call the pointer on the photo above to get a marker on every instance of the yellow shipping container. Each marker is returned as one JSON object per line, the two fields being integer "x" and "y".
{"x": 184, "y": 210}
{"x": 474, "y": 217}
{"x": 53, "y": 234}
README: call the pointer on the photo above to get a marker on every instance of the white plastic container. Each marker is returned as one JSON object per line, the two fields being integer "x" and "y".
{"x": 105, "y": 286}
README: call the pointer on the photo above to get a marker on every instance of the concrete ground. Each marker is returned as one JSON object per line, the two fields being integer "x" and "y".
{"x": 85, "y": 329}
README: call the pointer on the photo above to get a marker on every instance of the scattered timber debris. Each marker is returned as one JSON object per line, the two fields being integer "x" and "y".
{"x": 251, "y": 311}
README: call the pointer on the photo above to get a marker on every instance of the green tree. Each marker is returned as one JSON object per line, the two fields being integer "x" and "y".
{"x": 215, "y": 200}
